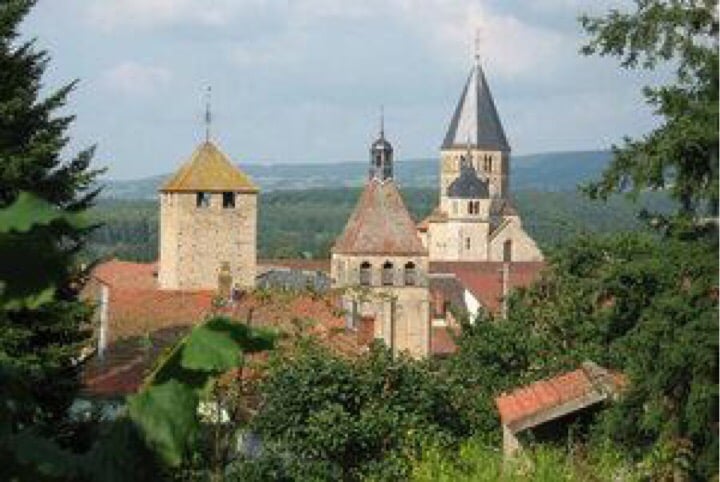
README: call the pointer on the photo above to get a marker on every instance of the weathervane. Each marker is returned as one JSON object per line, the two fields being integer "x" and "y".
{"x": 477, "y": 45}
{"x": 208, "y": 113}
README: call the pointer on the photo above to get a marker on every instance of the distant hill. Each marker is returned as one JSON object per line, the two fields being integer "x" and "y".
{"x": 557, "y": 171}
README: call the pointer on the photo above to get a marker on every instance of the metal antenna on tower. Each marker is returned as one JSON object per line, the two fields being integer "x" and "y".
{"x": 382, "y": 121}
{"x": 477, "y": 46}
{"x": 208, "y": 113}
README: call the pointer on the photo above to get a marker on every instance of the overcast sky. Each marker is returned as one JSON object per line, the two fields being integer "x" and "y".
{"x": 302, "y": 80}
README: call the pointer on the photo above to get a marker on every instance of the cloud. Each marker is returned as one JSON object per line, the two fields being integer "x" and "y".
{"x": 132, "y": 78}
{"x": 112, "y": 15}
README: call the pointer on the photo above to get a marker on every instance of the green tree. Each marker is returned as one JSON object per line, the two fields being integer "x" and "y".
{"x": 643, "y": 305}
{"x": 682, "y": 153}
{"x": 326, "y": 417}
{"x": 41, "y": 342}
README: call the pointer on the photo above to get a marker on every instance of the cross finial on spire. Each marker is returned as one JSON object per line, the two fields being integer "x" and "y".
{"x": 208, "y": 113}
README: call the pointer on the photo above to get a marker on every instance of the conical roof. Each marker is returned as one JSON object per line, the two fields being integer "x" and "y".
{"x": 209, "y": 169}
{"x": 476, "y": 121}
{"x": 380, "y": 224}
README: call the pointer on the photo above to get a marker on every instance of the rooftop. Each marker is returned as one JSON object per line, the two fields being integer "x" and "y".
{"x": 476, "y": 122}
{"x": 484, "y": 279}
{"x": 380, "y": 224}
{"x": 210, "y": 170}
{"x": 555, "y": 397}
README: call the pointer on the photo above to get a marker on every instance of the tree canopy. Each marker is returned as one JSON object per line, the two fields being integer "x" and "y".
{"x": 682, "y": 153}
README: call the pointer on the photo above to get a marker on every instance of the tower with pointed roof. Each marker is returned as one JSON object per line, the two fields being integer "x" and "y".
{"x": 476, "y": 133}
{"x": 208, "y": 224}
{"x": 475, "y": 220}
{"x": 380, "y": 263}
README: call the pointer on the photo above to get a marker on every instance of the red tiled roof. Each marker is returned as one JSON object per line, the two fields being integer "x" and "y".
{"x": 380, "y": 224}
{"x": 441, "y": 341}
{"x": 589, "y": 384}
{"x": 484, "y": 279}
{"x": 136, "y": 306}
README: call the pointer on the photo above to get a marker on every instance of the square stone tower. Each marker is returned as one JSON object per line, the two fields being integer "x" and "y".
{"x": 381, "y": 265}
{"x": 208, "y": 224}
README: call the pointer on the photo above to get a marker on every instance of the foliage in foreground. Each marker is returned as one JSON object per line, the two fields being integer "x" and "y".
{"x": 39, "y": 342}
{"x": 162, "y": 424}
{"x": 680, "y": 155}
{"x": 477, "y": 461}
{"x": 641, "y": 305}
{"x": 326, "y": 417}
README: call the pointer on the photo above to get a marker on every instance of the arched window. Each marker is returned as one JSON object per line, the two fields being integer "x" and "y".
{"x": 467, "y": 243}
{"x": 507, "y": 251}
{"x": 410, "y": 274}
{"x": 387, "y": 274}
{"x": 471, "y": 207}
{"x": 365, "y": 273}
{"x": 476, "y": 205}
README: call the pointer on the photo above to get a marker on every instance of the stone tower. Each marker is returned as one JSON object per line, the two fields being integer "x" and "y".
{"x": 380, "y": 263}
{"x": 476, "y": 133}
{"x": 208, "y": 224}
{"x": 475, "y": 220}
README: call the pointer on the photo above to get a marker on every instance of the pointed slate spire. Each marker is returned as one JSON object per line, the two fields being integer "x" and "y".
{"x": 476, "y": 119}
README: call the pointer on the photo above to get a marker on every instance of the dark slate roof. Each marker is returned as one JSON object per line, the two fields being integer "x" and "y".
{"x": 380, "y": 224}
{"x": 468, "y": 185}
{"x": 381, "y": 144}
{"x": 476, "y": 121}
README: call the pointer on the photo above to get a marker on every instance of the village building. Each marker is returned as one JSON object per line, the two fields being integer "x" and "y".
{"x": 388, "y": 278}
{"x": 380, "y": 264}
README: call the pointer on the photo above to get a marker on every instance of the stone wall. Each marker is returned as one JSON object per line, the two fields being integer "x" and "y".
{"x": 401, "y": 312}
{"x": 522, "y": 246}
{"x": 196, "y": 241}
{"x": 498, "y": 173}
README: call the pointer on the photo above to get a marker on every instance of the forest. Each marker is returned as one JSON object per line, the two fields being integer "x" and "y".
{"x": 305, "y": 223}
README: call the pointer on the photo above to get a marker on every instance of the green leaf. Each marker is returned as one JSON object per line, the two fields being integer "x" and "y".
{"x": 208, "y": 349}
{"x": 29, "y": 211}
{"x": 167, "y": 416}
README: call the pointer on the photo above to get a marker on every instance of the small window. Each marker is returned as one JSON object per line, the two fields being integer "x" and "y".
{"x": 471, "y": 205}
{"x": 387, "y": 274}
{"x": 365, "y": 274}
{"x": 507, "y": 251}
{"x": 410, "y": 274}
{"x": 467, "y": 243}
{"x": 202, "y": 200}
{"x": 228, "y": 200}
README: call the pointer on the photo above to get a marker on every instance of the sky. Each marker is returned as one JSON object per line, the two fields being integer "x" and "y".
{"x": 296, "y": 81}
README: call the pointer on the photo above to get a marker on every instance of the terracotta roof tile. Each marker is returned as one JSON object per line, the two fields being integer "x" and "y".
{"x": 441, "y": 341}
{"x": 380, "y": 224}
{"x": 541, "y": 396}
{"x": 484, "y": 279}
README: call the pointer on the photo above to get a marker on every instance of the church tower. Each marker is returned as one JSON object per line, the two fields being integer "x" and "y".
{"x": 476, "y": 133}
{"x": 475, "y": 220}
{"x": 380, "y": 264}
{"x": 208, "y": 224}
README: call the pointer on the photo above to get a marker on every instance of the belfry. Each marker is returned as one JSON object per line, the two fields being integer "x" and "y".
{"x": 475, "y": 219}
